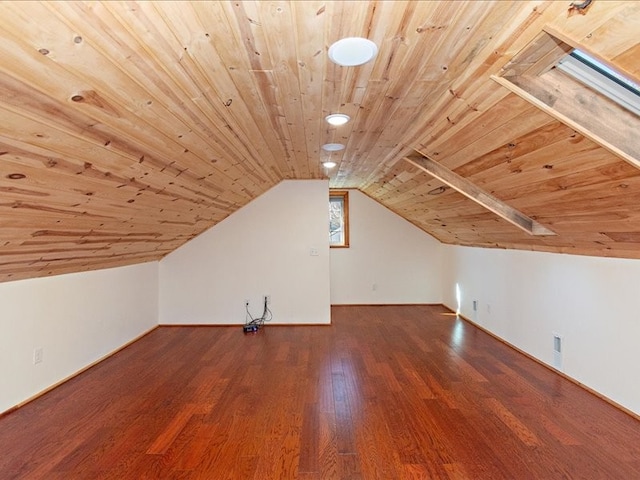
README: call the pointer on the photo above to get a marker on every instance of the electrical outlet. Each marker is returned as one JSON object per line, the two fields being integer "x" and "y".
{"x": 475, "y": 305}
{"x": 267, "y": 298}
{"x": 374, "y": 287}
{"x": 37, "y": 355}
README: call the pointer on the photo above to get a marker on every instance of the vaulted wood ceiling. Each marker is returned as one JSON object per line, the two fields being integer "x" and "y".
{"x": 129, "y": 128}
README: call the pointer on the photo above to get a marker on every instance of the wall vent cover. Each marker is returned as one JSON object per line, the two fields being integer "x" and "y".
{"x": 557, "y": 351}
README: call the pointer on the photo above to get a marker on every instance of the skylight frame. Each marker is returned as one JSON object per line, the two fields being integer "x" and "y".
{"x": 533, "y": 75}
{"x": 603, "y": 79}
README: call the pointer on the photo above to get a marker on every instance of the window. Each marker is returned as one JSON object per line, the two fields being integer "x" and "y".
{"x": 338, "y": 218}
{"x": 579, "y": 90}
{"x": 603, "y": 79}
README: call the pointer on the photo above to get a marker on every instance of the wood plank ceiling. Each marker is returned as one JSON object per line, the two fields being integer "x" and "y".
{"x": 128, "y": 128}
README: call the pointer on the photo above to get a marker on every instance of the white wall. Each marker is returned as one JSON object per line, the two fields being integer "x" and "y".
{"x": 263, "y": 248}
{"x": 389, "y": 260}
{"x": 76, "y": 319}
{"x": 526, "y": 297}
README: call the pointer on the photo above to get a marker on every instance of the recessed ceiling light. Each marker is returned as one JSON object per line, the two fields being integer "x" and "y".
{"x": 332, "y": 147}
{"x": 329, "y": 164}
{"x": 337, "y": 119}
{"x": 352, "y": 51}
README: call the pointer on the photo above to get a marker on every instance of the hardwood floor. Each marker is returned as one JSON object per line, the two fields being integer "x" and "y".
{"x": 384, "y": 393}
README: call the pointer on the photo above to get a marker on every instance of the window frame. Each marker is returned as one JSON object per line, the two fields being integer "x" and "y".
{"x": 603, "y": 79}
{"x": 344, "y": 196}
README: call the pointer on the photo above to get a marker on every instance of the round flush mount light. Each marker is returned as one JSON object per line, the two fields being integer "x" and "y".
{"x": 337, "y": 119}
{"x": 332, "y": 147}
{"x": 329, "y": 164}
{"x": 352, "y": 51}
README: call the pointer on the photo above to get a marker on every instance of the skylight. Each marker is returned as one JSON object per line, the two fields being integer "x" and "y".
{"x": 603, "y": 79}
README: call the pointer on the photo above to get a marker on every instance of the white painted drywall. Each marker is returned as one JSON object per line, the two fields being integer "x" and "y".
{"x": 389, "y": 260}
{"x": 76, "y": 319}
{"x": 526, "y": 297}
{"x": 263, "y": 248}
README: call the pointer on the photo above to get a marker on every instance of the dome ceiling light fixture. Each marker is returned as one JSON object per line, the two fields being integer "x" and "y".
{"x": 332, "y": 147}
{"x": 337, "y": 119}
{"x": 329, "y": 164}
{"x": 352, "y": 51}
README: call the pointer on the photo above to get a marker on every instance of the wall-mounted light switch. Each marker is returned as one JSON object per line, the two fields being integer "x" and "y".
{"x": 37, "y": 356}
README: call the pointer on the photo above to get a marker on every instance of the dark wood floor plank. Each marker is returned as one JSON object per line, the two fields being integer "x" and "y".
{"x": 385, "y": 392}
{"x": 310, "y": 448}
{"x": 328, "y": 459}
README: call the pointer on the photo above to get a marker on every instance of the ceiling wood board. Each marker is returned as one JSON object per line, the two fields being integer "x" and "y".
{"x": 478, "y": 195}
{"x": 131, "y": 127}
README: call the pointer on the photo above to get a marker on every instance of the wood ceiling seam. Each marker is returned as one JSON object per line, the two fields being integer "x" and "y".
{"x": 532, "y": 17}
{"x": 515, "y": 153}
{"x": 377, "y": 117}
{"x": 63, "y": 167}
{"x": 131, "y": 157}
{"x": 264, "y": 89}
{"x": 27, "y": 272}
{"x": 50, "y": 261}
{"x": 79, "y": 135}
{"x": 79, "y": 239}
{"x": 466, "y": 82}
{"x": 520, "y": 169}
{"x": 575, "y": 124}
{"x": 575, "y": 200}
{"x": 557, "y": 181}
{"x": 311, "y": 66}
{"x": 396, "y": 153}
{"x": 581, "y": 26}
{"x": 95, "y": 212}
{"x": 17, "y": 209}
{"x": 501, "y": 132}
{"x": 628, "y": 58}
{"x": 470, "y": 190}
{"x": 207, "y": 135}
{"x": 94, "y": 80}
{"x": 274, "y": 154}
{"x": 286, "y": 75}
{"x": 95, "y": 179}
{"x": 462, "y": 113}
{"x": 609, "y": 37}
{"x": 403, "y": 148}
{"x": 25, "y": 226}
{"x": 249, "y": 172}
{"x": 600, "y": 51}
{"x": 112, "y": 247}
